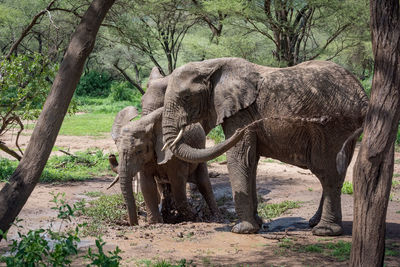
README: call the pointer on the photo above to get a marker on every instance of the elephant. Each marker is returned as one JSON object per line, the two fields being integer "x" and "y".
{"x": 139, "y": 144}
{"x": 300, "y": 115}
{"x": 153, "y": 98}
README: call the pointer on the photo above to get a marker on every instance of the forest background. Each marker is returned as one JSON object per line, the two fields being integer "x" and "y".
{"x": 139, "y": 35}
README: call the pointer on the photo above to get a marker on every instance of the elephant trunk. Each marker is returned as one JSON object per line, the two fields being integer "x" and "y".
{"x": 188, "y": 153}
{"x": 126, "y": 173}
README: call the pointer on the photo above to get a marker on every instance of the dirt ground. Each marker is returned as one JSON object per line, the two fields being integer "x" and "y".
{"x": 212, "y": 244}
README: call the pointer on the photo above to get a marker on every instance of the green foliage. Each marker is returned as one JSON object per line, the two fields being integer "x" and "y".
{"x": 121, "y": 91}
{"x": 217, "y": 134}
{"x": 108, "y": 209}
{"x": 23, "y": 84}
{"x": 81, "y": 166}
{"x": 45, "y": 247}
{"x": 100, "y": 258}
{"x": 166, "y": 263}
{"x": 340, "y": 250}
{"x": 347, "y": 188}
{"x": 88, "y": 124}
{"x": 269, "y": 211}
{"x": 220, "y": 158}
{"x": 107, "y": 105}
{"x": 96, "y": 84}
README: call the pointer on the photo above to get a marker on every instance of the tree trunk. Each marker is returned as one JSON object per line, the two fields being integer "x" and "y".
{"x": 14, "y": 195}
{"x": 374, "y": 167}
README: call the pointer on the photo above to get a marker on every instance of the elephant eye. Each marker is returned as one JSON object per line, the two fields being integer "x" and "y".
{"x": 138, "y": 152}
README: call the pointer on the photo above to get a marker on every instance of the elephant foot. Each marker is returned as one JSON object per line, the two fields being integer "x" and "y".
{"x": 259, "y": 220}
{"x": 154, "y": 220}
{"x": 314, "y": 220}
{"x": 327, "y": 229}
{"x": 245, "y": 227}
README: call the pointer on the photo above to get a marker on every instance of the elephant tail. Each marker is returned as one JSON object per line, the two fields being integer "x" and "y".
{"x": 341, "y": 157}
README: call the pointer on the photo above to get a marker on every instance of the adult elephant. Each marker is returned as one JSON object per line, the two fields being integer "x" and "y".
{"x": 139, "y": 145}
{"x": 300, "y": 115}
{"x": 154, "y": 95}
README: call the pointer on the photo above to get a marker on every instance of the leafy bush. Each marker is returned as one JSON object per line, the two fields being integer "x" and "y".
{"x": 121, "y": 91}
{"x": 94, "y": 84}
{"x": 217, "y": 134}
{"x": 100, "y": 258}
{"x": 45, "y": 247}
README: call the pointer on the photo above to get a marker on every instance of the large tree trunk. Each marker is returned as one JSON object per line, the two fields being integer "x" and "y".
{"x": 374, "y": 167}
{"x": 14, "y": 195}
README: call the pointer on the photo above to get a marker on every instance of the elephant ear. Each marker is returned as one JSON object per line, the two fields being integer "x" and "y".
{"x": 123, "y": 117}
{"x": 236, "y": 87}
{"x": 162, "y": 156}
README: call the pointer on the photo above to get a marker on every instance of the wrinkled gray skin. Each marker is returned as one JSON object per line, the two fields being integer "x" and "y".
{"x": 154, "y": 95}
{"x": 139, "y": 145}
{"x": 308, "y": 111}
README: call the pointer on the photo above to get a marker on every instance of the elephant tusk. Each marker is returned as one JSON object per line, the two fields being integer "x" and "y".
{"x": 165, "y": 146}
{"x": 179, "y": 137}
{"x": 113, "y": 182}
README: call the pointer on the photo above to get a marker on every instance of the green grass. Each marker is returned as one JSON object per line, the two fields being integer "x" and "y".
{"x": 217, "y": 134}
{"x": 94, "y": 194}
{"x": 270, "y": 211}
{"x": 347, "y": 188}
{"x": 85, "y": 165}
{"x": 164, "y": 263}
{"x": 90, "y": 124}
{"x": 107, "y": 209}
{"x": 220, "y": 158}
{"x": 105, "y": 105}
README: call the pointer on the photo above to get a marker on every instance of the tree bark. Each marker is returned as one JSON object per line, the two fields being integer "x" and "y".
{"x": 14, "y": 195}
{"x": 374, "y": 166}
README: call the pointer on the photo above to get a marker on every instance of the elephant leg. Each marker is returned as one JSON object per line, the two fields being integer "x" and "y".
{"x": 204, "y": 186}
{"x": 242, "y": 167}
{"x": 330, "y": 223}
{"x": 177, "y": 176}
{"x": 151, "y": 198}
{"x": 315, "y": 219}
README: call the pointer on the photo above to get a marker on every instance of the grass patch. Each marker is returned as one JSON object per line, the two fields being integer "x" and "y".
{"x": 107, "y": 209}
{"x": 94, "y": 194}
{"x": 340, "y": 250}
{"x": 105, "y": 105}
{"x": 270, "y": 211}
{"x": 395, "y": 183}
{"x": 220, "y": 158}
{"x": 165, "y": 263}
{"x": 217, "y": 134}
{"x": 347, "y": 188}
{"x": 88, "y": 124}
{"x": 81, "y": 166}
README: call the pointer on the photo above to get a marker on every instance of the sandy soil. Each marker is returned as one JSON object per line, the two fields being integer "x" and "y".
{"x": 210, "y": 243}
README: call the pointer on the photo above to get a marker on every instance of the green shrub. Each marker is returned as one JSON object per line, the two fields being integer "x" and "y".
{"x": 217, "y": 134}
{"x": 94, "y": 84}
{"x": 121, "y": 91}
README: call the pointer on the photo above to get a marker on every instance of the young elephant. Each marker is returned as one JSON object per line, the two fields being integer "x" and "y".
{"x": 139, "y": 145}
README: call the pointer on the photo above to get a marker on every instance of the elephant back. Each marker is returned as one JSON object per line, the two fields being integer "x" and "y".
{"x": 123, "y": 117}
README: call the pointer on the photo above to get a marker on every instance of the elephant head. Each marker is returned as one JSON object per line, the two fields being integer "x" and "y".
{"x": 137, "y": 143}
{"x": 154, "y": 96}
{"x": 207, "y": 92}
